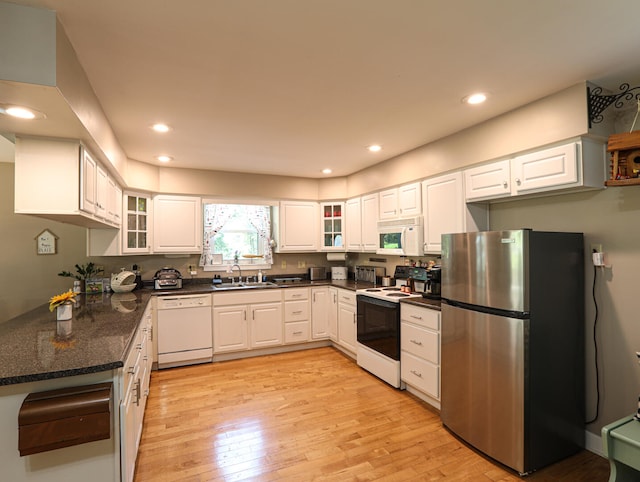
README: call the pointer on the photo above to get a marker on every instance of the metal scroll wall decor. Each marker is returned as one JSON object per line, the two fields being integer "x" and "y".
{"x": 599, "y": 102}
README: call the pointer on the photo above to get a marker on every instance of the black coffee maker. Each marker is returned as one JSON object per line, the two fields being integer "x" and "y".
{"x": 434, "y": 282}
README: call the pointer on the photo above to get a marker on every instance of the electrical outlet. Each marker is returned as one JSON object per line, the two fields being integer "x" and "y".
{"x": 283, "y": 264}
{"x": 596, "y": 248}
{"x": 302, "y": 264}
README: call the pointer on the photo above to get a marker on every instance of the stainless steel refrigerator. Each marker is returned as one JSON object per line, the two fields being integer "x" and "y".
{"x": 513, "y": 344}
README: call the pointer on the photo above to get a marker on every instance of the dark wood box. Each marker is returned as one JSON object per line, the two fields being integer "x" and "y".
{"x": 62, "y": 418}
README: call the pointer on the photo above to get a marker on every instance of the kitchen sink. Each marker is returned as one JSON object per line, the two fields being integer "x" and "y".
{"x": 244, "y": 285}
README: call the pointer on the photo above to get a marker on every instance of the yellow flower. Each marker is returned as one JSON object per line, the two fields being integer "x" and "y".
{"x": 58, "y": 300}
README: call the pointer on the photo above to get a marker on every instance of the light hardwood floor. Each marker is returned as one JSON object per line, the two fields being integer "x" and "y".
{"x": 308, "y": 415}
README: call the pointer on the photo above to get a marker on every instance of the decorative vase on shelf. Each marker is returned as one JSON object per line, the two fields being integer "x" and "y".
{"x": 64, "y": 311}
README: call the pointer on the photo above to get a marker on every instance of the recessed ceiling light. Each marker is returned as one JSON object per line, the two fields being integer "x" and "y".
{"x": 477, "y": 98}
{"x": 161, "y": 127}
{"x": 327, "y": 171}
{"x": 164, "y": 158}
{"x": 374, "y": 148}
{"x": 21, "y": 112}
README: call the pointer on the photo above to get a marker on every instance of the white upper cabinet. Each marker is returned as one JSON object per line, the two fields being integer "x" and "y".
{"x": 388, "y": 204}
{"x": 409, "y": 200}
{"x": 332, "y": 226}
{"x": 296, "y": 226}
{"x": 361, "y": 223}
{"x": 88, "y": 191}
{"x": 177, "y": 224}
{"x": 489, "y": 181}
{"x": 445, "y": 210}
{"x": 353, "y": 226}
{"x": 102, "y": 192}
{"x": 56, "y": 179}
{"x": 369, "y": 223}
{"x": 568, "y": 167}
{"x": 402, "y": 201}
{"x": 543, "y": 169}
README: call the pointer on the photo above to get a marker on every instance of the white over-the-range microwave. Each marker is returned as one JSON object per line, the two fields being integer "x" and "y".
{"x": 402, "y": 237}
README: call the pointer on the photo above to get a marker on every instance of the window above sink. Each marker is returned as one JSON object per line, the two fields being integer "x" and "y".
{"x": 236, "y": 233}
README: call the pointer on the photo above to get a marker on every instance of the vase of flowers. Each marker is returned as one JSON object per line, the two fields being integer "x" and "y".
{"x": 63, "y": 304}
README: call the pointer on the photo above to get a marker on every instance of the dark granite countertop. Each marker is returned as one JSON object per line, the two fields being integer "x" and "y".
{"x": 424, "y": 302}
{"x": 101, "y": 329}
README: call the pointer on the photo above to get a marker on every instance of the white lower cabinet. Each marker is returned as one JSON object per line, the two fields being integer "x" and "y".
{"x": 347, "y": 310}
{"x": 296, "y": 315}
{"x": 333, "y": 314}
{"x": 243, "y": 320}
{"x": 420, "y": 351}
{"x": 265, "y": 324}
{"x": 320, "y": 313}
{"x": 135, "y": 378}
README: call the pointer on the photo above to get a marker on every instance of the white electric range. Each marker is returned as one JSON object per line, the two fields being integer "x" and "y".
{"x": 378, "y": 326}
{"x": 388, "y": 293}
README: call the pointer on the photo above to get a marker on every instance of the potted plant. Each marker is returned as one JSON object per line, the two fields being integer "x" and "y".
{"x": 84, "y": 272}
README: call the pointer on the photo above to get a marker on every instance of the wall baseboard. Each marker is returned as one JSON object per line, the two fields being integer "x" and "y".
{"x": 593, "y": 443}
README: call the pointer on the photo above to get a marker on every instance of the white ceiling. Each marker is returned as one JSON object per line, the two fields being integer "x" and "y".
{"x": 290, "y": 87}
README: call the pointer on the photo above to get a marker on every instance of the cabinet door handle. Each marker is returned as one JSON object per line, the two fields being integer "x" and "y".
{"x": 418, "y": 374}
{"x": 416, "y": 342}
{"x": 244, "y": 314}
{"x": 137, "y": 389}
{"x": 517, "y": 181}
{"x": 505, "y": 184}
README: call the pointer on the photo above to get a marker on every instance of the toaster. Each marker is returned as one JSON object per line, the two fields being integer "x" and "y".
{"x": 319, "y": 273}
{"x": 167, "y": 279}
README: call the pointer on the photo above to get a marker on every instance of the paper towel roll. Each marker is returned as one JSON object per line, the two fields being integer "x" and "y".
{"x": 336, "y": 256}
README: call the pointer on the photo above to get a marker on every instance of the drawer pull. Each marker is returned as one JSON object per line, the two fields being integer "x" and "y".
{"x": 139, "y": 346}
{"x": 416, "y": 317}
{"x": 297, "y": 333}
{"x": 296, "y": 312}
{"x": 418, "y": 374}
{"x": 131, "y": 370}
{"x": 137, "y": 389}
{"x": 416, "y": 342}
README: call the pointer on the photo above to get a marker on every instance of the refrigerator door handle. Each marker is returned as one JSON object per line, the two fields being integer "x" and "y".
{"x": 520, "y": 315}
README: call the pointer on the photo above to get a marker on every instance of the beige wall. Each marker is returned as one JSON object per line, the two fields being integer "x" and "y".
{"x": 609, "y": 217}
{"x": 30, "y": 280}
{"x": 557, "y": 117}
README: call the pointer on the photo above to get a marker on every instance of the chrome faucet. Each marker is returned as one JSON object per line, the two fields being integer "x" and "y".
{"x": 239, "y": 272}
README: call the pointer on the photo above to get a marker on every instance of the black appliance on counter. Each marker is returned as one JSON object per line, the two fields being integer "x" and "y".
{"x": 167, "y": 279}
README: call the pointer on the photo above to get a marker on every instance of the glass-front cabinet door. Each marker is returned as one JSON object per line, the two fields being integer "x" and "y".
{"x": 137, "y": 223}
{"x": 332, "y": 219}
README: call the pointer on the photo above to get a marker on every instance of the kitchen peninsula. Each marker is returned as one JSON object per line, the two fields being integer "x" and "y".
{"x": 106, "y": 334}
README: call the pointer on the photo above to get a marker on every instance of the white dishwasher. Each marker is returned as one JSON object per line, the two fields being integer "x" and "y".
{"x": 184, "y": 330}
